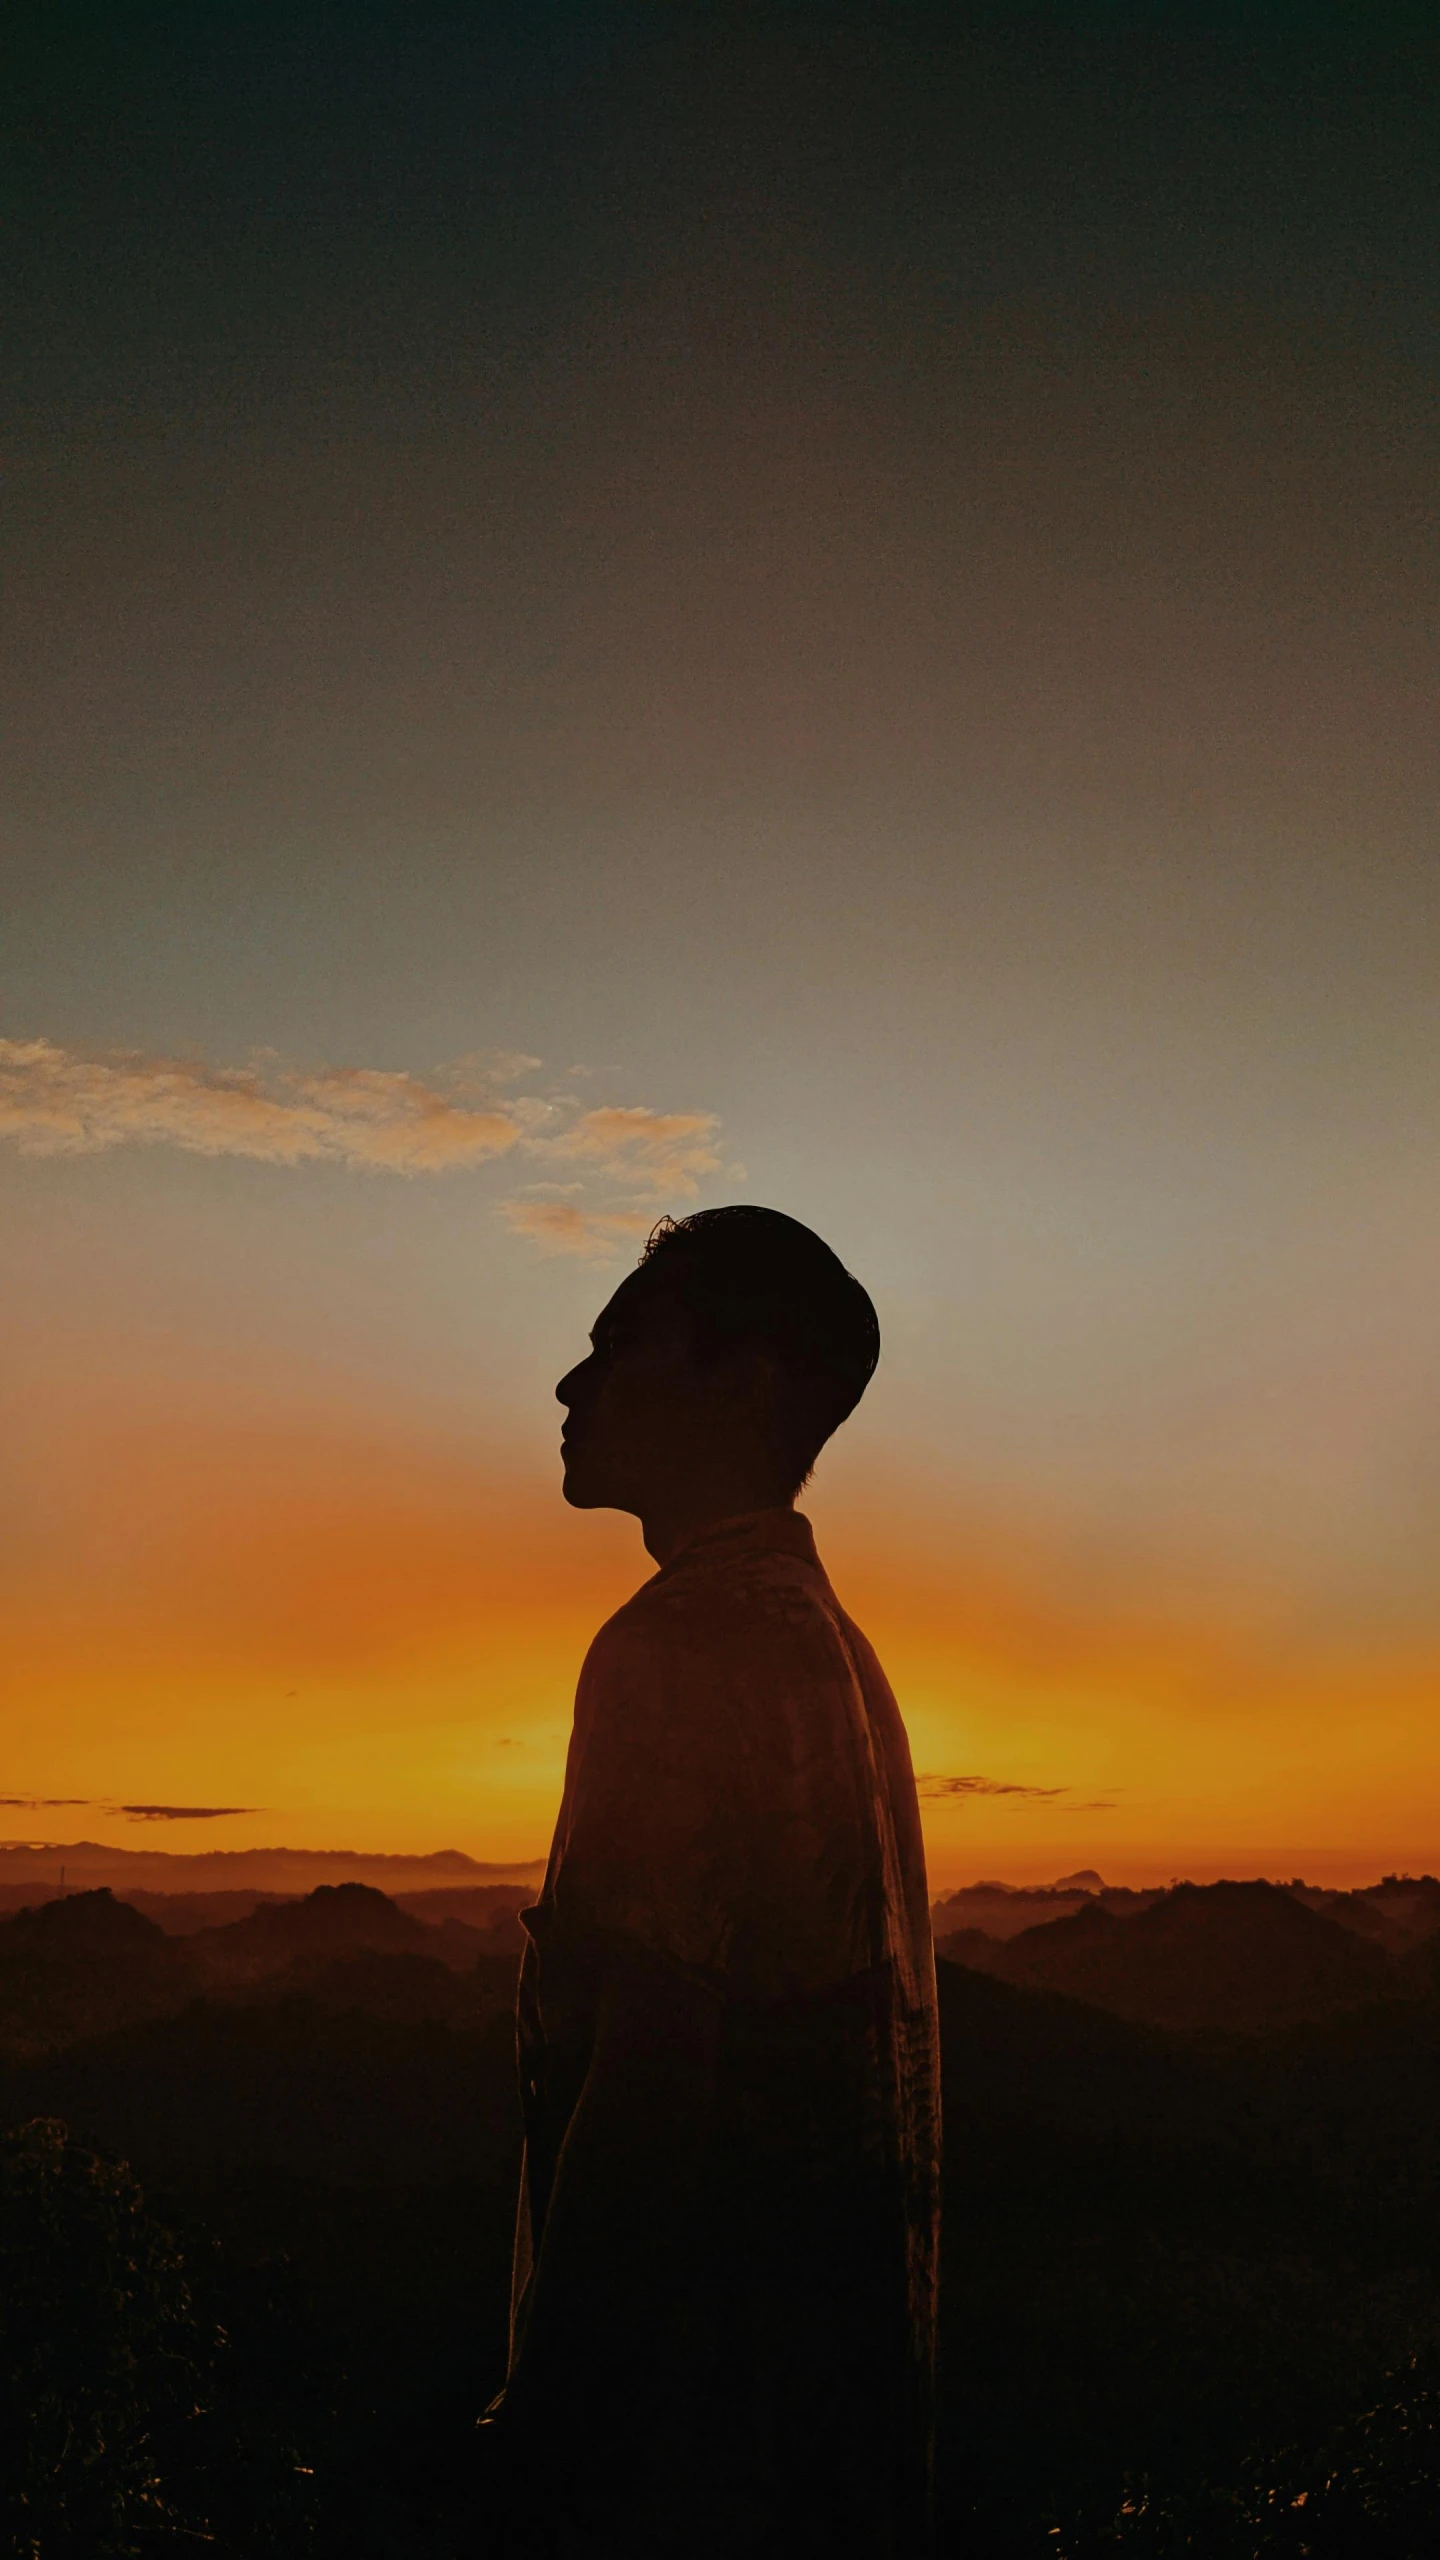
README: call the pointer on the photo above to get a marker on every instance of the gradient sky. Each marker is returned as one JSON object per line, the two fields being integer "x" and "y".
{"x": 616, "y": 607}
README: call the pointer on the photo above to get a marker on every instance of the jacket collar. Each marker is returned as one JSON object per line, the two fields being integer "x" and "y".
{"x": 782, "y": 1531}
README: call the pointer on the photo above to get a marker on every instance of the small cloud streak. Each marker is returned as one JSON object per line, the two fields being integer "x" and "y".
{"x": 135, "y": 1812}
{"x": 37, "y": 1804}
{"x": 56, "y": 1101}
{"x": 935, "y": 1789}
{"x": 185, "y": 1812}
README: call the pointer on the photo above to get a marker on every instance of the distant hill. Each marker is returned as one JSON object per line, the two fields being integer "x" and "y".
{"x": 81, "y": 1967}
{"x": 181, "y": 1914}
{"x": 335, "y": 1920}
{"x": 1247, "y": 1958}
{"x": 490, "y": 1909}
{"x": 481, "y": 1906}
{"x": 343, "y": 1922}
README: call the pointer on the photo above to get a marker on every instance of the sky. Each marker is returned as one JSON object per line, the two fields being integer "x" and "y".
{"x": 614, "y": 608}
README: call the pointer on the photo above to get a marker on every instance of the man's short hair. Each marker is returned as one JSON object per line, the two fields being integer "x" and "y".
{"x": 753, "y": 1279}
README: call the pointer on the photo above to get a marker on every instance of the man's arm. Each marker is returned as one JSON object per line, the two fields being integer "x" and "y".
{"x": 622, "y": 2217}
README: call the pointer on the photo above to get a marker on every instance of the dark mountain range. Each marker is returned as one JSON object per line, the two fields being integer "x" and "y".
{"x": 396, "y": 1983}
{"x": 90, "y": 1963}
{"x": 1242, "y": 1958}
{"x": 1399, "y": 1912}
{"x": 1229, "y": 1957}
{"x": 1161, "y": 2250}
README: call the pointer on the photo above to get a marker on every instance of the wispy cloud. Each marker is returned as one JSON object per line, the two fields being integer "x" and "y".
{"x": 661, "y": 1152}
{"x": 933, "y": 1788}
{"x": 63, "y": 1101}
{"x": 184, "y": 1812}
{"x": 55, "y": 1101}
{"x": 564, "y": 1226}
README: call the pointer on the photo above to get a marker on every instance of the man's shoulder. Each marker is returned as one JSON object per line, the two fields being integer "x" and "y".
{"x": 712, "y": 1602}
{"x": 726, "y": 1645}
{"x": 629, "y": 1651}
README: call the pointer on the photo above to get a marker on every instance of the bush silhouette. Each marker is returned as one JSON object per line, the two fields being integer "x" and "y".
{"x": 102, "y": 2359}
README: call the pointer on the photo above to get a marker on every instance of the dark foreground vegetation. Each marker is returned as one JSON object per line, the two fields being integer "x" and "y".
{"x": 258, "y": 2187}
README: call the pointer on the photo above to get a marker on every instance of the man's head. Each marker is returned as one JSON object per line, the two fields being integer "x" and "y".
{"x": 721, "y": 1366}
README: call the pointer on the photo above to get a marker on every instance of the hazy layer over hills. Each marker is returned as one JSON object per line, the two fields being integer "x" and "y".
{"x": 1399, "y": 1910}
{"x": 33, "y": 1864}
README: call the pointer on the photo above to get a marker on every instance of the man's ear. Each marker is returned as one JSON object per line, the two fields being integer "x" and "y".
{"x": 748, "y": 1383}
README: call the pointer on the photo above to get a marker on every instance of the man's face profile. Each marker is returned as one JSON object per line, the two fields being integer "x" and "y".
{"x": 627, "y": 1404}
{"x": 646, "y": 1421}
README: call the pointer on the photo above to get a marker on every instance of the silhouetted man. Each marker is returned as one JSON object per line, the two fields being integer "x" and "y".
{"x": 725, "y": 2270}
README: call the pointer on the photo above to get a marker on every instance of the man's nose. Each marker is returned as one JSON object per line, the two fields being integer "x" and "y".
{"x": 567, "y": 1390}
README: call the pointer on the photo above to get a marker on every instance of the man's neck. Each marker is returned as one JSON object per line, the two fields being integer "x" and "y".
{"x": 676, "y": 1523}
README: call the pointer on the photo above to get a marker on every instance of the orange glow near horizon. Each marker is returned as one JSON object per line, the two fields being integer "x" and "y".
{"x": 371, "y": 1638}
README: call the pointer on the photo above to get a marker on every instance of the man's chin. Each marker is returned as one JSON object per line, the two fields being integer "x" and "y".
{"x": 582, "y": 1489}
